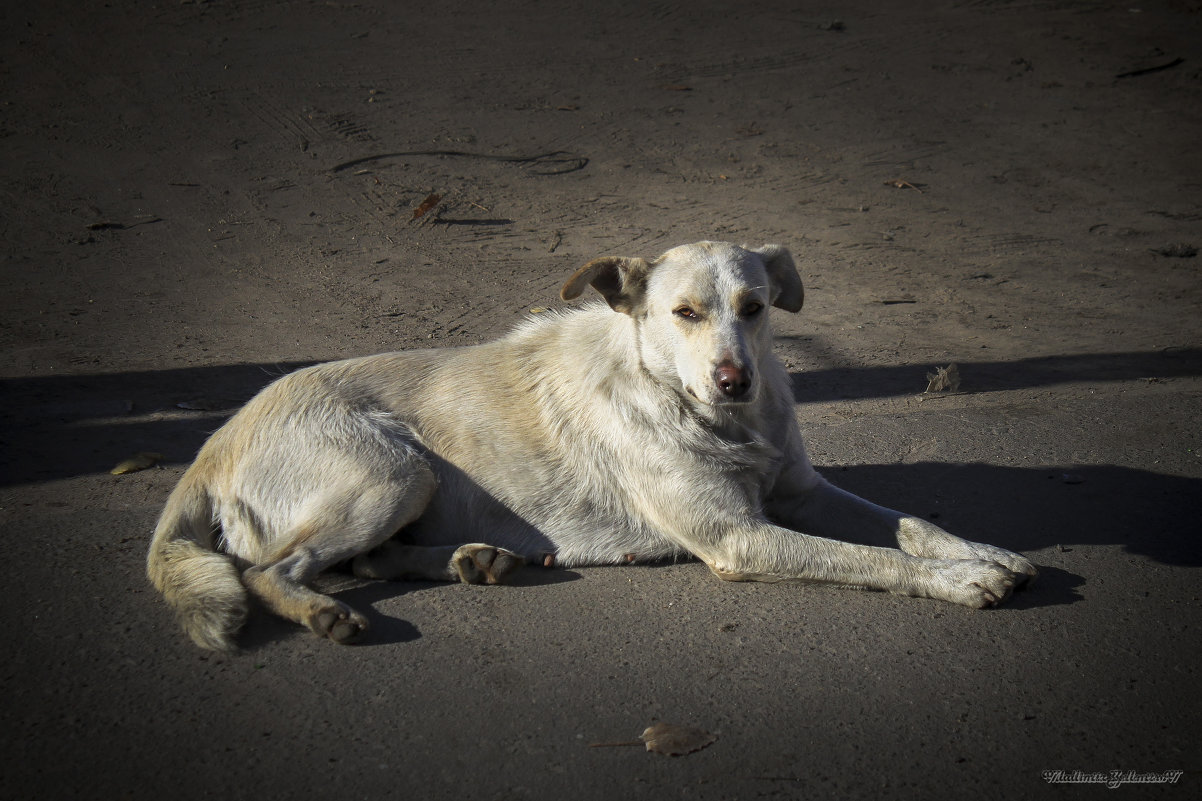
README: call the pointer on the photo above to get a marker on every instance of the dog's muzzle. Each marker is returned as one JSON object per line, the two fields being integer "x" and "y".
{"x": 732, "y": 381}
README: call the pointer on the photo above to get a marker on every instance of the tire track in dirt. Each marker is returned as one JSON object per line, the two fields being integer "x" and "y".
{"x": 308, "y": 128}
{"x": 187, "y": 12}
{"x": 342, "y": 125}
{"x": 905, "y": 154}
{"x": 294, "y": 128}
{"x": 808, "y": 45}
{"x": 1032, "y": 6}
{"x": 1006, "y": 244}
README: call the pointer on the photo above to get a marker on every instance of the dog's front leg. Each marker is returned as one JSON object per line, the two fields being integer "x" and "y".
{"x": 827, "y": 511}
{"x": 756, "y": 550}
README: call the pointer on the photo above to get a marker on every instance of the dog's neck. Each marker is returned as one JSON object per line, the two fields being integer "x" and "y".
{"x": 738, "y": 423}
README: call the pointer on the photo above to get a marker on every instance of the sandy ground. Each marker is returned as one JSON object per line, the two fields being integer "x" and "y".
{"x": 198, "y": 196}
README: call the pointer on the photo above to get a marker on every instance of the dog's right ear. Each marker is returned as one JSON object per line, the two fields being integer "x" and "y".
{"x": 787, "y": 291}
{"x": 621, "y": 281}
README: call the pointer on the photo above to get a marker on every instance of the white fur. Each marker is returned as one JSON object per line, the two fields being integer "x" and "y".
{"x": 600, "y": 435}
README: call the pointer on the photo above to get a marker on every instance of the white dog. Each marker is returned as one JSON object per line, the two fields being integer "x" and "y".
{"x": 659, "y": 425}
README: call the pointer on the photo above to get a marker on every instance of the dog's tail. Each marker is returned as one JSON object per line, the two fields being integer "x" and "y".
{"x": 201, "y": 585}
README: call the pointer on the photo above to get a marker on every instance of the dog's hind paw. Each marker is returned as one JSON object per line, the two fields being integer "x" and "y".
{"x": 339, "y": 623}
{"x": 484, "y": 564}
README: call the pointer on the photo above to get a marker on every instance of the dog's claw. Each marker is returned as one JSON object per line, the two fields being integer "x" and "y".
{"x": 991, "y": 598}
{"x": 976, "y": 583}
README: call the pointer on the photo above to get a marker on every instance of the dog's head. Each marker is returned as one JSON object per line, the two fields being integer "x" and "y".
{"x": 702, "y": 312}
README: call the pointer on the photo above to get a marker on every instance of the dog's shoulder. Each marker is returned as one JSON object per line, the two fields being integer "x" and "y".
{"x": 581, "y": 346}
{"x": 585, "y": 322}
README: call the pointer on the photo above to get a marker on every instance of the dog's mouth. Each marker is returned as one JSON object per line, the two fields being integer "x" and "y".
{"x": 721, "y": 401}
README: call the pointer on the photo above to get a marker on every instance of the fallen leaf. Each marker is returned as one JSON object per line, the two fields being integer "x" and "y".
{"x": 900, "y": 184}
{"x": 668, "y": 738}
{"x": 944, "y": 379}
{"x": 537, "y": 309}
{"x": 430, "y": 202}
{"x": 139, "y": 461}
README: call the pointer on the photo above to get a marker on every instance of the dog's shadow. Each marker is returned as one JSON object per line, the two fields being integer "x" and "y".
{"x": 1148, "y": 516}
{"x": 1052, "y": 587}
{"x": 264, "y": 628}
{"x": 1050, "y": 509}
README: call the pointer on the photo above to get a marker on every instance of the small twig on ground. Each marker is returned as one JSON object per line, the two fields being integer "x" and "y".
{"x": 900, "y": 184}
{"x": 1150, "y": 70}
{"x": 559, "y": 161}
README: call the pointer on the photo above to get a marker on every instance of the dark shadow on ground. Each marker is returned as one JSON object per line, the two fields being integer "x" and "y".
{"x": 60, "y": 426}
{"x": 1053, "y": 587}
{"x": 264, "y": 627}
{"x": 1024, "y": 509}
{"x": 857, "y": 383}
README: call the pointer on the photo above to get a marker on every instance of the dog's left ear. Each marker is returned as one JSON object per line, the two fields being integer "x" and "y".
{"x": 621, "y": 281}
{"x": 787, "y": 291}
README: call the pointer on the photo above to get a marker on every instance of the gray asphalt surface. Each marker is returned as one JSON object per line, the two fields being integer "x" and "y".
{"x": 175, "y": 229}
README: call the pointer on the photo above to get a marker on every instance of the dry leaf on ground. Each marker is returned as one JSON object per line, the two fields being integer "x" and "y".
{"x": 430, "y": 202}
{"x": 139, "y": 461}
{"x": 668, "y": 738}
{"x": 944, "y": 379}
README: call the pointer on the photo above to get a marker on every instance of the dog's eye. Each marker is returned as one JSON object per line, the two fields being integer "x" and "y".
{"x": 686, "y": 312}
{"x": 753, "y": 308}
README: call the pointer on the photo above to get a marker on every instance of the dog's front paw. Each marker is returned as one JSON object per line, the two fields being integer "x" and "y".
{"x": 917, "y": 537}
{"x": 976, "y": 583}
{"x": 1017, "y": 564}
{"x": 484, "y": 564}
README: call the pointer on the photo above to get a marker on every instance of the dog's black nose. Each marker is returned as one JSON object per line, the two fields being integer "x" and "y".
{"x": 734, "y": 381}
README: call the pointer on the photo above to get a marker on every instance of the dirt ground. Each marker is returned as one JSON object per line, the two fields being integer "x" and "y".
{"x": 199, "y": 196}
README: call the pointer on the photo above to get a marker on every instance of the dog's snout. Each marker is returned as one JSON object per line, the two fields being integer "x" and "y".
{"x": 732, "y": 380}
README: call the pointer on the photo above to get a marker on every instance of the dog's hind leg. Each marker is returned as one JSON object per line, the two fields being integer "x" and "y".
{"x": 282, "y": 587}
{"x": 344, "y": 524}
{"x": 474, "y": 563}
